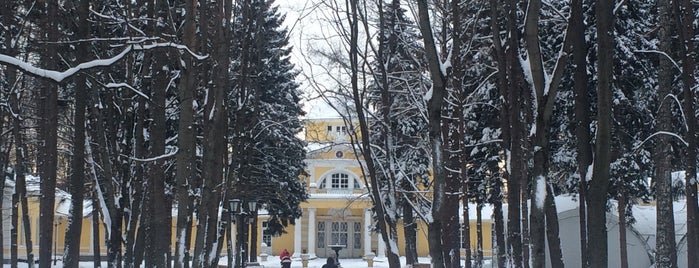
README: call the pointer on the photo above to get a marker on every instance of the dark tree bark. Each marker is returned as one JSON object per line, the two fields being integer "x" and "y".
{"x": 71, "y": 255}
{"x": 685, "y": 11}
{"x": 502, "y": 249}
{"x": 186, "y": 141}
{"x": 582, "y": 118}
{"x": 599, "y": 185}
{"x": 552, "y": 229}
{"x": 48, "y": 133}
{"x": 20, "y": 162}
{"x": 623, "y": 250}
{"x": 7, "y": 12}
{"x": 499, "y": 226}
{"x": 386, "y": 226}
{"x": 479, "y": 237}
{"x": 96, "y": 237}
{"x": 666, "y": 255}
{"x": 410, "y": 233}
{"x": 510, "y": 80}
{"x": 157, "y": 238}
{"x": 434, "y": 110}
{"x": 545, "y": 97}
{"x": 455, "y": 136}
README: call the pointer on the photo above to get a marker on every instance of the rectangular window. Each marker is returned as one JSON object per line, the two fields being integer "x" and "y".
{"x": 321, "y": 234}
{"x": 357, "y": 235}
{"x": 266, "y": 234}
{"x": 338, "y": 233}
{"x": 339, "y": 181}
{"x": 330, "y": 129}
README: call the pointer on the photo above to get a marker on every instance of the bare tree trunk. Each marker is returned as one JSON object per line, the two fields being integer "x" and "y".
{"x": 684, "y": 12}
{"x": 504, "y": 249}
{"x": 13, "y": 230}
{"x": 387, "y": 228}
{"x": 526, "y": 237}
{"x": 434, "y": 108}
{"x": 582, "y": 118}
{"x": 19, "y": 172}
{"x": 48, "y": 133}
{"x": 96, "y": 237}
{"x": 596, "y": 210}
{"x": 552, "y": 229}
{"x": 623, "y": 250}
{"x": 186, "y": 141}
{"x": 479, "y": 236}
{"x": 410, "y": 233}
{"x": 71, "y": 255}
{"x": 499, "y": 252}
{"x": 8, "y": 18}
{"x": 666, "y": 255}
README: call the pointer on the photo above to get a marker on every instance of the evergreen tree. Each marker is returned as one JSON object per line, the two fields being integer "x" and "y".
{"x": 265, "y": 100}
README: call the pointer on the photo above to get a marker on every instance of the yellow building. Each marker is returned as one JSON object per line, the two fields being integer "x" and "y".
{"x": 338, "y": 210}
{"x": 60, "y": 223}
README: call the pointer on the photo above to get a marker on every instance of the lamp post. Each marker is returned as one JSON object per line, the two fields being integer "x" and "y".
{"x": 239, "y": 216}
{"x": 234, "y": 206}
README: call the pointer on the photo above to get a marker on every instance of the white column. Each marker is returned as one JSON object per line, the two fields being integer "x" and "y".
{"x": 297, "y": 238}
{"x": 382, "y": 248}
{"x": 312, "y": 233}
{"x": 367, "y": 231}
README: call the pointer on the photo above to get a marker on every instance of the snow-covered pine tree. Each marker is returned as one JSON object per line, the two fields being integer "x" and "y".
{"x": 403, "y": 116}
{"x": 265, "y": 102}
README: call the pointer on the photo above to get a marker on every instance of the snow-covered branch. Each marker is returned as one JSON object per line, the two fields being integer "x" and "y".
{"x": 662, "y": 133}
{"x": 60, "y": 76}
{"x": 119, "y": 85}
{"x": 163, "y": 156}
{"x": 661, "y": 53}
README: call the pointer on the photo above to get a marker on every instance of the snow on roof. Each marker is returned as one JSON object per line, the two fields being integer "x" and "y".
{"x": 349, "y": 196}
{"x": 319, "y": 109}
{"x": 63, "y": 199}
{"x": 316, "y": 146}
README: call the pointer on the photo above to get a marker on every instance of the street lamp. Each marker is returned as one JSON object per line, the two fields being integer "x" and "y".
{"x": 239, "y": 217}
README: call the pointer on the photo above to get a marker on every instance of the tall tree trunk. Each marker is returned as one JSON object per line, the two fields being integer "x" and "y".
{"x": 457, "y": 142}
{"x": 71, "y": 255}
{"x": 133, "y": 248}
{"x": 186, "y": 141}
{"x": 410, "y": 232}
{"x": 505, "y": 250}
{"x": 623, "y": 250}
{"x": 526, "y": 238}
{"x": 582, "y": 118}
{"x": 596, "y": 210}
{"x": 434, "y": 109}
{"x": 537, "y": 227}
{"x": 48, "y": 129}
{"x": 96, "y": 237}
{"x": 386, "y": 226}
{"x": 19, "y": 167}
{"x": 20, "y": 190}
{"x": 8, "y": 18}
{"x": 552, "y": 229}
{"x": 685, "y": 11}
{"x": 499, "y": 251}
{"x": 665, "y": 255}
{"x": 479, "y": 236}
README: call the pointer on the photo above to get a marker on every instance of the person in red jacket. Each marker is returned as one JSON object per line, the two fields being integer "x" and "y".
{"x": 285, "y": 258}
{"x": 285, "y": 253}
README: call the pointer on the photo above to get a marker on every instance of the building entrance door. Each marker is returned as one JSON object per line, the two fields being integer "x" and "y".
{"x": 347, "y": 233}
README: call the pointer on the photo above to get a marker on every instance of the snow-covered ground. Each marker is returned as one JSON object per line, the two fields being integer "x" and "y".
{"x": 273, "y": 262}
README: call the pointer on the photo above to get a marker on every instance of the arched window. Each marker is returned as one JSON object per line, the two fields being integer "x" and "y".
{"x": 339, "y": 181}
